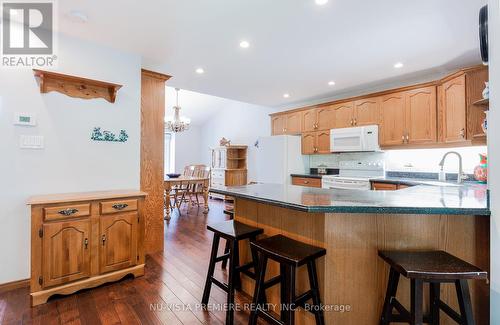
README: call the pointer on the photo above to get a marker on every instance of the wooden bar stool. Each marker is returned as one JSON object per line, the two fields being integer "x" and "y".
{"x": 290, "y": 254}
{"x": 434, "y": 267}
{"x": 233, "y": 232}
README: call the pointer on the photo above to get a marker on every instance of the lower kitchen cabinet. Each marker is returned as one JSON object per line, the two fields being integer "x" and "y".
{"x": 83, "y": 240}
{"x": 306, "y": 181}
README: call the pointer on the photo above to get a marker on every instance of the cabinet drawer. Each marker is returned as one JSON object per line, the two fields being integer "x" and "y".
{"x": 305, "y": 181}
{"x": 384, "y": 186}
{"x": 66, "y": 211}
{"x": 218, "y": 174}
{"x": 118, "y": 206}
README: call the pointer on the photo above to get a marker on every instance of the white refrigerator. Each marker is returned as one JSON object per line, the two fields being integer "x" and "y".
{"x": 278, "y": 157}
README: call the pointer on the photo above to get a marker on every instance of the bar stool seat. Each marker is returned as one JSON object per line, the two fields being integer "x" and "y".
{"x": 233, "y": 232}
{"x": 434, "y": 267}
{"x": 289, "y": 251}
{"x": 290, "y": 254}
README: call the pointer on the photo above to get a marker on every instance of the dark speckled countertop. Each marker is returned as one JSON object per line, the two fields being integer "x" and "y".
{"x": 420, "y": 199}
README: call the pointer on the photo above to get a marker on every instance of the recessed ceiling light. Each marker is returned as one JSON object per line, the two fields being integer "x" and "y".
{"x": 331, "y": 83}
{"x": 321, "y": 2}
{"x": 398, "y": 65}
{"x": 200, "y": 71}
{"x": 286, "y": 95}
{"x": 244, "y": 44}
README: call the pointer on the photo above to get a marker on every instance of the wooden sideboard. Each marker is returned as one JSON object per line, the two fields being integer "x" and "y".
{"x": 228, "y": 168}
{"x": 82, "y": 240}
{"x": 434, "y": 114}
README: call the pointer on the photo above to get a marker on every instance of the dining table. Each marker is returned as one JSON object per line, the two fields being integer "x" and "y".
{"x": 185, "y": 182}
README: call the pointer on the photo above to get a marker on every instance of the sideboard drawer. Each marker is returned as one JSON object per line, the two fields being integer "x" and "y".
{"x": 118, "y": 206}
{"x": 66, "y": 211}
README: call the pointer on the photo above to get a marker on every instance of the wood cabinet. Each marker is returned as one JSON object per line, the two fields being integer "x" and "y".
{"x": 392, "y": 127}
{"x": 367, "y": 111}
{"x": 83, "y": 240}
{"x": 306, "y": 181}
{"x": 118, "y": 241}
{"x": 380, "y": 186}
{"x": 228, "y": 168}
{"x": 290, "y": 123}
{"x": 460, "y": 121}
{"x": 65, "y": 251}
{"x": 316, "y": 142}
{"x": 344, "y": 115}
{"x": 417, "y": 116}
{"x": 409, "y": 117}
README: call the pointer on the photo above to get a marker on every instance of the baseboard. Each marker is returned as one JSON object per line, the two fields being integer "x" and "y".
{"x": 4, "y": 287}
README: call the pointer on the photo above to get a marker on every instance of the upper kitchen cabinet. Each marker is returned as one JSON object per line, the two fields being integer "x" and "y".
{"x": 421, "y": 115}
{"x": 392, "y": 128}
{"x": 316, "y": 142}
{"x": 289, "y": 123}
{"x": 344, "y": 115}
{"x": 460, "y": 120}
{"x": 409, "y": 117}
{"x": 367, "y": 111}
{"x": 278, "y": 123}
{"x": 293, "y": 123}
{"x": 322, "y": 118}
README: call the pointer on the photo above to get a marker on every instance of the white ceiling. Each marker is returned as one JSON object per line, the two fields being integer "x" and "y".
{"x": 296, "y": 46}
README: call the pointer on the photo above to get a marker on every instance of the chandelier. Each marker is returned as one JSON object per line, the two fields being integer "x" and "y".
{"x": 177, "y": 123}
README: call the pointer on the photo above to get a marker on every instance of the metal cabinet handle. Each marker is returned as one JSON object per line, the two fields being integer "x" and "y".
{"x": 68, "y": 212}
{"x": 306, "y": 182}
{"x": 403, "y": 138}
{"x": 352, "y": 122}
{"x": 86, "y": 243}
{"x": 462, "y": 133}
{"x": 355, "y": 122}
{"x": 120, "y": 206}
{"x": 407, "y": 138}
{"x": 103, "y": 239}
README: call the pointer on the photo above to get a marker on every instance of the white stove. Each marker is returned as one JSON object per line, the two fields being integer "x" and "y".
{"x": 354, "y": 175}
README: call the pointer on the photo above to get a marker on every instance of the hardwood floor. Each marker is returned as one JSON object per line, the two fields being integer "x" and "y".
{"x": 169, "y": 293}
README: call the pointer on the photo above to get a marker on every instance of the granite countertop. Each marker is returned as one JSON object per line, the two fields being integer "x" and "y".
{"x": 467, "y": 199}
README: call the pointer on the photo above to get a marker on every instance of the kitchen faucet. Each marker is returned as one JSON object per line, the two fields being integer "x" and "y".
{"x": 461, "y": 176}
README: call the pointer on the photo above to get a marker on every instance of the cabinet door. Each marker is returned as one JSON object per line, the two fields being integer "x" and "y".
{"x": 344, "y": 115}
{"x": 65, "y": 252}
{"x": 367, "y": 111}
{"x": 474, "y": 82}
{"x": 392, "y": 127}
{"x": 454, "y": 109}
{"x": 293, "y": 123}
{"x": 323, "y": 142}
{"x": 421, "y": 112}
{"x": 308, "y": 143}
{"x": 118, "y": 242}
{"x": 326, "y": 118}
{"x": 309, "y": 120}
{"x": 278, "y": 125}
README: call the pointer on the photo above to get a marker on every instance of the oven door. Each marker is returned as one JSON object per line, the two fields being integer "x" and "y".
{"x": 347, "y": 139}
{"x": 345, "y": 184}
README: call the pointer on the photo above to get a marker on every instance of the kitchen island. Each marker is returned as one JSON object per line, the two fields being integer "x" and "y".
{"x": 353, "y": 225}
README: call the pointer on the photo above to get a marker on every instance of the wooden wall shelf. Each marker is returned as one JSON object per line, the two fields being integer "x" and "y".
{"x": 76, "y": 86}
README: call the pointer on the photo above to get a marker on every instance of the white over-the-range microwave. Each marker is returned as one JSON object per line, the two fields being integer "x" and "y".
{"x": 361, "y": 138}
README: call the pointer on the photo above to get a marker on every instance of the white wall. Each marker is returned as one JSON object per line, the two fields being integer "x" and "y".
{"x": 494, "y": 149}
{"x": 188, "y": 150}
{"x": 239, "y": 122}
{"x": 70, "y": 162}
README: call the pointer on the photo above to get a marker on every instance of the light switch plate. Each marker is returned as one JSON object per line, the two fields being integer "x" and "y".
{"x": 31, "y": 142}
{"x": 25, "y": 119}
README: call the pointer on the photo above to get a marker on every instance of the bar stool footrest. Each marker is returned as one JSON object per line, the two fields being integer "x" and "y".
{"x": 222, "y": 258}
{"x": 274, "y": 281}
{"x": 450, "y": 312}
{"x": 303, "y": 298}
{"x": 268, "y": 317}
{"x": 220, "y": 284}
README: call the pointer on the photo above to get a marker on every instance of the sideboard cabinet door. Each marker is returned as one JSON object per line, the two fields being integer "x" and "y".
{"x": 65, "y": 252}
{"x": 118, "y": 242}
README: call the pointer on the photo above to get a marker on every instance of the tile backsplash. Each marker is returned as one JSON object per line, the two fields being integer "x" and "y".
{"x": 412, "y": 160}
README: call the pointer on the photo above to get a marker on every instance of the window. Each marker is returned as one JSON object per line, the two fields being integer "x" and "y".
{"x": 169, "y": 154}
